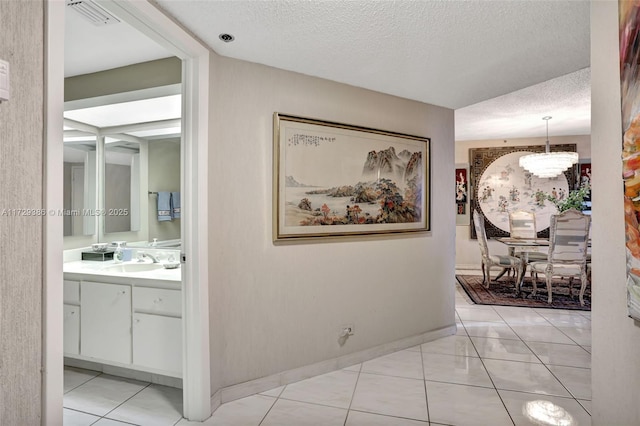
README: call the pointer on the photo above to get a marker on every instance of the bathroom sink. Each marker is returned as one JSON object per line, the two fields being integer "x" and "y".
{"x": 133, "y": 267}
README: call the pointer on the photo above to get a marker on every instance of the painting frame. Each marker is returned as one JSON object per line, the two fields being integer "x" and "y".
{"x": 333, "y": 180}
{"x": 481, "y": 158}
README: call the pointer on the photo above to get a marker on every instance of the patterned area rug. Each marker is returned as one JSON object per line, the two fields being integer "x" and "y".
{"x": 502, "y": 292}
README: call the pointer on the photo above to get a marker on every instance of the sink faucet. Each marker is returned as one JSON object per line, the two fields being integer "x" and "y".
{"x": 142, "y": 255}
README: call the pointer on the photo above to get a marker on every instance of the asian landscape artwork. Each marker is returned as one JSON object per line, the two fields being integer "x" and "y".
{"x": 333, "y": 179}
{"x": 630, "y": 98}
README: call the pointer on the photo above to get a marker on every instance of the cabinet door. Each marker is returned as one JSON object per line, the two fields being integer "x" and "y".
{"x": 71, "y": 292}
{"x": 105, "y": 331}
{"x": 71, "y": 329}
{"x": 157, "y": 343}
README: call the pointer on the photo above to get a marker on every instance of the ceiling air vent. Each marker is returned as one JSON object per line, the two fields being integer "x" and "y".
{"x": 92, "y": 12}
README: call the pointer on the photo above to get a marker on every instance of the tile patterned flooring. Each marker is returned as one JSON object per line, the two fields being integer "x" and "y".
{"x": 499, "y": 362}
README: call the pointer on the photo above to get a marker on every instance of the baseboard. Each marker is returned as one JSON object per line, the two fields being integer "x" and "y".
{"x": 128, "y": 373}
{"x": 468, "y": 266}
{"x": 215, "y": 401}
{"x": 262, "y": 384}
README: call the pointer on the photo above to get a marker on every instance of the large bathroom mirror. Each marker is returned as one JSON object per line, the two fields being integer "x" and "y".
{"x": 130, "y": 157}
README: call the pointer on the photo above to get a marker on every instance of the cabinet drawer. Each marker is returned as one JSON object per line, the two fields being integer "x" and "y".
{"x": 158, "y": 301}
{"x": 71, "y": 292}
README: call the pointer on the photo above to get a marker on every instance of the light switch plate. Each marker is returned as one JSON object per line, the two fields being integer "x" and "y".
{"x": 4, "y": 80}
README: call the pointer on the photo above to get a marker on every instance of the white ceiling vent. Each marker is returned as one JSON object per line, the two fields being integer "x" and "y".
{"x": 92, "y": 12}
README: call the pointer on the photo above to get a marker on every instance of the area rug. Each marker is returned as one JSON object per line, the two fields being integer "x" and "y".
{"x": 502, "y": 292}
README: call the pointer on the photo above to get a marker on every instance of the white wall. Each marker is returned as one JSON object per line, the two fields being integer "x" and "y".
{"x": 615, "y": 357}
{"x": 467, "y": 250}
{"x": 275, "y": 308}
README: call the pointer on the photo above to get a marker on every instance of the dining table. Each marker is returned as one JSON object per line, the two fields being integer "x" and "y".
{"x": 522, "y": 247}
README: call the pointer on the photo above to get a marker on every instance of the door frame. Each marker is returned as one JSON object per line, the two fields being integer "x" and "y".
{"x": 148, "y": 19}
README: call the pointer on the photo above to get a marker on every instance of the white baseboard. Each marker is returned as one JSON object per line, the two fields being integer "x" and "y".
{"x": 128, "y": 373}
{"x": 262, "y": 384}
{"x": 468, "y": 266}
{"x": 215, "y": 401}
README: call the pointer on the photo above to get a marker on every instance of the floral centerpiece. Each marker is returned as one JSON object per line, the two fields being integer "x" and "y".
{"x": 574, "y": 200}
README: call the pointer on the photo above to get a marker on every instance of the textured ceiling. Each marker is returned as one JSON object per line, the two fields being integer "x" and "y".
{"x": 464, "y": 55}
{"x": 566, "y": 99}
{"x": 446, "y": 53}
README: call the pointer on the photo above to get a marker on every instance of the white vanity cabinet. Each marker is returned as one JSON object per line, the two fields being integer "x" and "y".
{"x": 71, "y": 309}
{"x": 105, "y": 324}
{"x": 127, "y": 320}
{"x": 157, "y": 329}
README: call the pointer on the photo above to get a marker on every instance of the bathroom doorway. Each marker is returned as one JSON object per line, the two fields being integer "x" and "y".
{"x": 146, "y": 18}
{"x": 122, "y": 148}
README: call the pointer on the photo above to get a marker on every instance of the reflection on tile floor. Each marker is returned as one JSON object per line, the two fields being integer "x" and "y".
{"x": 504, "y": 366}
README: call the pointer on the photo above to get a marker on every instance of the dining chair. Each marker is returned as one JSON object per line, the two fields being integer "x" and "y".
{"x": 489, "y": 260}
{"x": 522, "y": 224}
{"x": 567, "y": 251}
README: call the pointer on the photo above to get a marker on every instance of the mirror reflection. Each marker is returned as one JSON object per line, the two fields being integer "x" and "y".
{"x": 121, "y": 186}
{"x": 79, "y": 171}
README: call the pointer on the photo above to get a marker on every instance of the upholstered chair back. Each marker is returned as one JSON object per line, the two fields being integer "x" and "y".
{"x": 569, "y": 237}
{"x": 478, "y": 223}
{"x": 522, "y": 224}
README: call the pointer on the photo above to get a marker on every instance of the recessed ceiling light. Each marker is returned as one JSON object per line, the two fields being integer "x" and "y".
{"x": 227, "y": 38}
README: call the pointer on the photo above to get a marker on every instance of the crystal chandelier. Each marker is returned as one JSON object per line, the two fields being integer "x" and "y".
{"x": 548, "y": 164}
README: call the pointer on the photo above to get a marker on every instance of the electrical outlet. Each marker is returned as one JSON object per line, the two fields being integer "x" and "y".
{"x": 347, "y": 330}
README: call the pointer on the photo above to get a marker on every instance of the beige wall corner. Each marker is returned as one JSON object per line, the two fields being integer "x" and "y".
{"x": 615, "y": 366}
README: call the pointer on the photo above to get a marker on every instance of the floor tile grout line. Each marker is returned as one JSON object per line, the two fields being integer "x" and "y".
{"x": 391, "y": 375}
{"x": 353, "y": 394}
{"x": 123, "y": 402}
{"x": 391, "y": 415}
{"x": 424, "y": 378}
{"x": 320, "y": 404}
{"x": 100, "y": 373}
{"x": 83, "y": 412}
{"x": 471, "y": 385}
{"x": 569, "y": 337}
{"x": 275, "y": 400}
{"x": 119, "y": 421}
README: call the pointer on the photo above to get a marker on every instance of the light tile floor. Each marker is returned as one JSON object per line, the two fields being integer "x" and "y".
{"x": 503, "y": 366}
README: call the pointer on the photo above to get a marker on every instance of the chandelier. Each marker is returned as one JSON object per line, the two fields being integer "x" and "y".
{"x": 548, "y": 164}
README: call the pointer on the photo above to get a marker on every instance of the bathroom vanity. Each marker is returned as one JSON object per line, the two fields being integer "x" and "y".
{"x": 126, "y": 315}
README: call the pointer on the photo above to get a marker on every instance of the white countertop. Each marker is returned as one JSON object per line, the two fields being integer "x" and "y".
{"x": 87, "y": 267}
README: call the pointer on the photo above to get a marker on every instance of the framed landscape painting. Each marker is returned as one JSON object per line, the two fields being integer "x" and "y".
{"x": 338, "y": 180}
